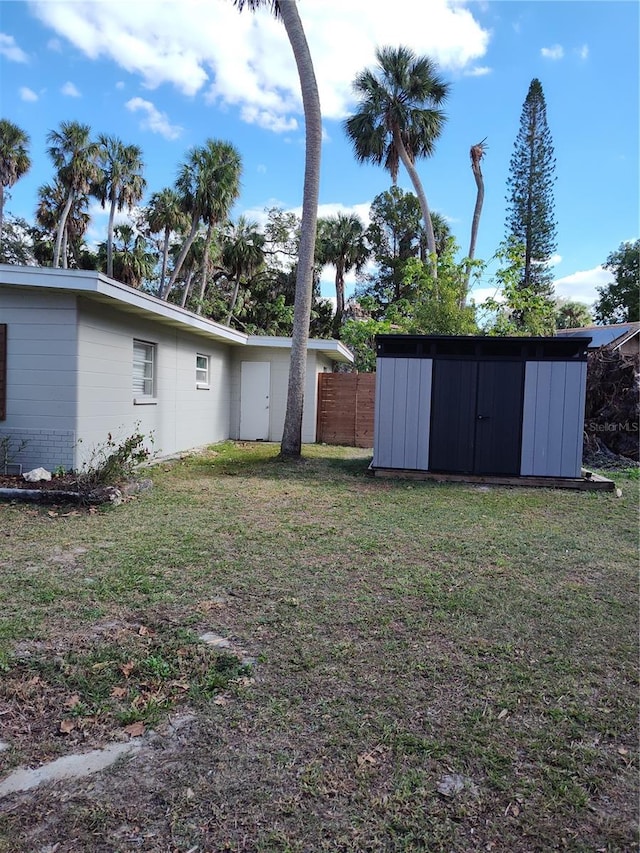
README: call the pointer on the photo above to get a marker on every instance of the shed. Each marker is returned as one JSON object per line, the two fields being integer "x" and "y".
{"x": 480, "y": 406}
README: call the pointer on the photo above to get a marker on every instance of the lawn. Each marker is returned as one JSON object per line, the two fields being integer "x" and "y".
{"x": 410, "y": 666}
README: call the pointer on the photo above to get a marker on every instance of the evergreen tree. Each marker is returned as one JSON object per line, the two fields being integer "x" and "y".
{"x": 530, "y": 216}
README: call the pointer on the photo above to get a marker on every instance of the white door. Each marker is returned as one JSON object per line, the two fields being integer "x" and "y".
{"x": 254, "y": 400}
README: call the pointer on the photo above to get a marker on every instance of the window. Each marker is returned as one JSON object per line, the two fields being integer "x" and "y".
{"x": 202, "y": 371}
{"x": 144, "y": 356}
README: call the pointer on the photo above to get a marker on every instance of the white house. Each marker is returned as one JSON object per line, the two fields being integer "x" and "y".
{"x": 82, "y": 356}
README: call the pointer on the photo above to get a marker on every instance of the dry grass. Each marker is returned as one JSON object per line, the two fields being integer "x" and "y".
{"x": 402, "y": 632}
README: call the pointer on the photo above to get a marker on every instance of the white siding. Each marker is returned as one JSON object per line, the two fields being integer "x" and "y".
{"x": 182, "y": 416}
{"x": 41, "y": 375}
{"x": 279, "y": 359}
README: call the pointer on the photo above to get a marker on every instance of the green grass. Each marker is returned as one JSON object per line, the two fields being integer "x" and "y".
{"x": 402, "y": 630}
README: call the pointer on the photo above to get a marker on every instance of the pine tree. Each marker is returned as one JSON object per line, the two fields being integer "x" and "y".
{"x": 530, "y": 215}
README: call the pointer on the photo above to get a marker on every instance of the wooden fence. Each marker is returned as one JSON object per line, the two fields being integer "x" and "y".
{"x": 345, "y": 409}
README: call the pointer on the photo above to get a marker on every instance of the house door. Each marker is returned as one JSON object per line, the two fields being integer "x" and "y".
{"x": 255, "y": 379}
{"x": 476, "y": 417}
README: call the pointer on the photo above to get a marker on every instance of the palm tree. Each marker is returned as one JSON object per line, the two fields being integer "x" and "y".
{"x": 476, "y": 153}
{"x": 165, "y": 214}
{"x": 132, "y": 263}
{"x": 291, "y": 445}
{"x": 208, "y": 184}
{"x": 120, "y": 182}
{"x": 242, "y": 255}
{"x": 341, "y": 243}
{"x": 14, "y": 159}
{"x": 75, "y": 157}
{"x": 398, "y": 118}
{"x": 52, "y": 200}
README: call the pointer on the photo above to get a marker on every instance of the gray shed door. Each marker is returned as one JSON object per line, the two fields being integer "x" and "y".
{"x": 476, "y": 417}
{"x": 255, "y": 378}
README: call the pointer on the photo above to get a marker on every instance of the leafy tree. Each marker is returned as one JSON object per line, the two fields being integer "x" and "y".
{"x": 342, "y": 244}
{"x": 14, "y": 159}
{"x": 75, "y": 156}
{"x": 619, "y": 302}
{"x": 521, "y": 310}
{"x": 398, "y": 117}
{"x": 360, "y": 336}
{"x": 165, "y": 215}
{"x": 572, "y": 315}
{"x": 395, "y": 235}
{"x": 17, "y": 243}
{"x": 208, "y": 184}
{"x": 120, "y": 182}
{"x": 530, "y": 215}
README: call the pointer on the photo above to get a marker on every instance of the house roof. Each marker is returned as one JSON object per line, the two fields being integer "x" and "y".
{"x": 96, "y": 286}
{"x": 613, "y": 336}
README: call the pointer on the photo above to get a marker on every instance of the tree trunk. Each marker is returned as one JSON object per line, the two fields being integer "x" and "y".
{"x": 187, "y": 288}
{"x": 165, "y": 259}
{"x": 291, "y": 445}
{"x": 422, "y": 198}
{"x": 1, "y": 212}
{"x": 62, "y": 225}
{"x": 234, "y": 298}
{"x": 477, "y": 174}
{"x": 65, "y": 249}
{"x": 337, "y": 320}
{"x": 112, "y": 213}
{"x": 183, "y": 254}
{"x": 204, "y": 269}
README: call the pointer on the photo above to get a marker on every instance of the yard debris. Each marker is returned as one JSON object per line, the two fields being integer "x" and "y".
{"x": 452, "y": 784}
{"x": 612, "y": 409}
{"x": 36, "y": 475}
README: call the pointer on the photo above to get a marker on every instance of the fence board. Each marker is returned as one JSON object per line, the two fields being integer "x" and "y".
{"x": 346, "y": 403}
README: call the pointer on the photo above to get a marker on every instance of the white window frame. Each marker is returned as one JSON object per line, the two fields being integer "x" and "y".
{"x": 202, "y": 372}
{"x": 144, "y": 380}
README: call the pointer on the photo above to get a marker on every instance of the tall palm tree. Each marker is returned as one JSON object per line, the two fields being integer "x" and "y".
{"x": 75, "y": 156}
{"x": 132, "y": 263}
{"x": 398, "y": 119}
{"x": 341, "y": 243}
{"x": 165, "y": 214}
{"x": 208, "y": 184}
{"x": 476, "y": 153}
{"x": 242, "y": 255}
{"x": 14, "y": 159}
{"x": 120, "y": 182}
{"x": 291, "y": 446}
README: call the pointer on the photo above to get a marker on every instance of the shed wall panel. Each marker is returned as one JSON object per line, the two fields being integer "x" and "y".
{"x": 553, "y": 419}
{"x": 402, "y": 413}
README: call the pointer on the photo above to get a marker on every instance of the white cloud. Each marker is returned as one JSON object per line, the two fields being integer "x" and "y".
{"x": 581, "y": 286}
{"x": 120, "y": 84}
{"x": 554, "y": 52}
{"x": 478, "y": 71}
{"x": 55, "y": 45}
{"x": 154, "y": 120}
{"x": 27, "y": 94}
{"x": 70, "y": 90}
{"x": 10, "y": 50}
{"x": 244, "y": 60}
{"x": 583, "y": 52}
{"x": 554, "y": 260}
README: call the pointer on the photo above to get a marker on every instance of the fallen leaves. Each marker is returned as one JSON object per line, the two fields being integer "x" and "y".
{"x": 135, "y": 729}
{"x": 66, "y": 726}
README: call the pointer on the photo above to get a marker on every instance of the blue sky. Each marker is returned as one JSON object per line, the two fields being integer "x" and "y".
{"x": 168, "y": 75}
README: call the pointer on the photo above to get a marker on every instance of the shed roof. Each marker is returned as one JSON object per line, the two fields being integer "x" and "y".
{"x": 96, "y": 286}
{"x": 481, "y": 346}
